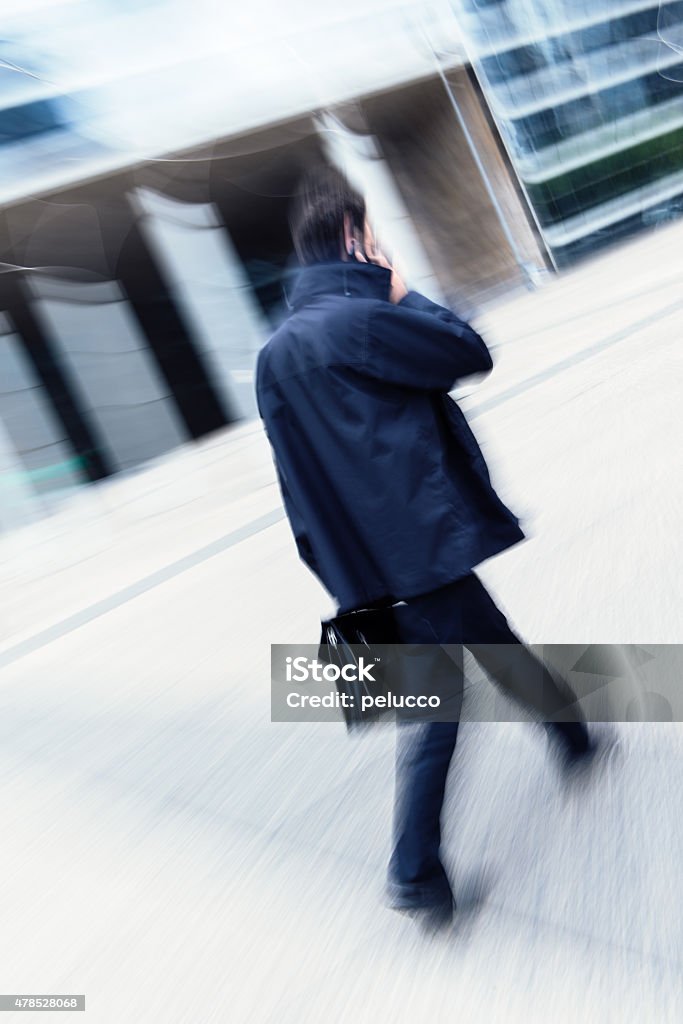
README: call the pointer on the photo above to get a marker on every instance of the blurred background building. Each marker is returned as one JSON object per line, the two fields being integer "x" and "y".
{"x": 148, "y": 151}
{"x": 587, "y": 96}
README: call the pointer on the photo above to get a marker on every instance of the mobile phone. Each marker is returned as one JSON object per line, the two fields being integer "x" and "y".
{"x": 357, "y": 247}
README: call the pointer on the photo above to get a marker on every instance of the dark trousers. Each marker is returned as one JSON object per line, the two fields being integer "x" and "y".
{"x": 461, "y": 613}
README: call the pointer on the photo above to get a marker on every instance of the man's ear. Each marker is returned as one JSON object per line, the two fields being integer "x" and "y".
{"x": 348, "y": 236}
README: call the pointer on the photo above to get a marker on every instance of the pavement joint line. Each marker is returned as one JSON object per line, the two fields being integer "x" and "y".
{"x": 573, "y": 932}
{"x": 591, "y": 312}
{"x": 120, "y": 597}
{"x": 155, "y": 579}
{"x": 565, "y": 364}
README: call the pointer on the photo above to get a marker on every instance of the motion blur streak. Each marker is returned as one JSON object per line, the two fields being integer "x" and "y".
{"x": 167, "y": 849}
{"x": 165, "y": 836}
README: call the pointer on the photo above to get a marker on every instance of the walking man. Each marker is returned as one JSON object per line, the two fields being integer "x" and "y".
{"x": 388, "y": 494}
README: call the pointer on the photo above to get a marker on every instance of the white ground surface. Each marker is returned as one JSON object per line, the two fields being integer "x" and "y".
{"x": 175, "y": 856}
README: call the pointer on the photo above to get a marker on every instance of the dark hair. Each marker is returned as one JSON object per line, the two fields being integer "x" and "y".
{"x": 317, "y": 214}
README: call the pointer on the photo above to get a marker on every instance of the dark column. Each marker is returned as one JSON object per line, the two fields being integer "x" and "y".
{"x": 168, "y": 337}
{"x": 14, "y": 300}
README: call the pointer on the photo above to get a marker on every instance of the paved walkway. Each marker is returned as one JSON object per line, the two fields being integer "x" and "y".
{"x": 178, "y": 858}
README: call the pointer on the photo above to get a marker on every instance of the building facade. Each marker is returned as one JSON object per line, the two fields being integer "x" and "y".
{"x": 588, "y": 98}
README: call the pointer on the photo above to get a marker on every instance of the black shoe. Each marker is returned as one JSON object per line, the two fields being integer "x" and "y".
{"x": 432, "y": 917}
{"x": 577, "y": 763}
{"x": 433, "y": 920}
{"x": 571, "y": 739}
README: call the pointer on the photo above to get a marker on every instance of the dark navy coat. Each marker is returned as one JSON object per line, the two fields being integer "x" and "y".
{"x": 384, "y": 484}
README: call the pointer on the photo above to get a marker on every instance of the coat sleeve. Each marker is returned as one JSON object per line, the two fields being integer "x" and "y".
{"x": 298, "y": 527}
{"x": 419, "y": 344}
